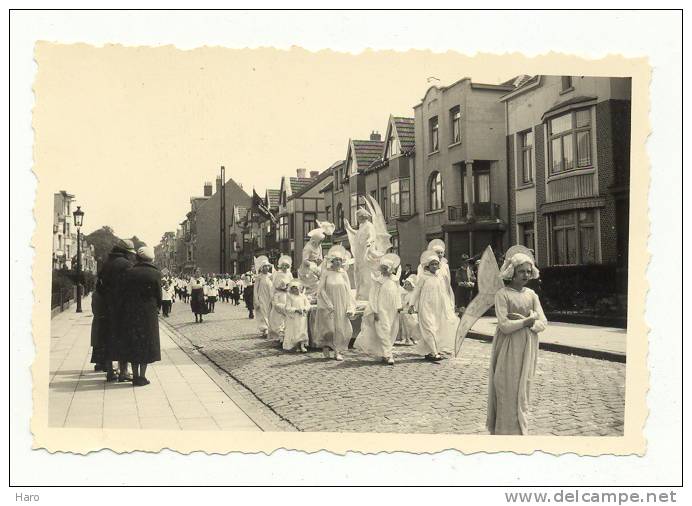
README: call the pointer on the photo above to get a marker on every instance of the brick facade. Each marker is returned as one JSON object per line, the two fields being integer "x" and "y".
{"x": 541, "y": 227}
{"x": 511, "y": 180}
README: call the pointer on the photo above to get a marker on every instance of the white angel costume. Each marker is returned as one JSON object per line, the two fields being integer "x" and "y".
{"x": 262, "y": 295}
{"x": 297, "y": 307}
{"x": 380, "y": 324}
{"x": 368, "y": 244}
{"x": 311, "y": 265}
{"x": 334, "y": 302}
{"x": 409, "y": 327}
{"x": 438, "y": 246}
{"x": 277, "y": 312}
{"x": 436, "y": 318}
{"x": 514, "y": 353}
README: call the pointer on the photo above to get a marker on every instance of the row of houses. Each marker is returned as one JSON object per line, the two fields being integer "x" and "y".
{"x": 64, "y": 254}
{"x": 537, "y": 160}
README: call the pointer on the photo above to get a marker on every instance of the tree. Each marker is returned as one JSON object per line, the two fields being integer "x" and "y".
{"x": 103, "y": 241}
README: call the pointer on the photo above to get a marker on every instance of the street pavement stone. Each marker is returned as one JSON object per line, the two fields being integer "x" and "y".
{"x": 571, "y": 395}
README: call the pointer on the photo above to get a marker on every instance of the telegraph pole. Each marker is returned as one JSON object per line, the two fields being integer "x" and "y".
{"x": 222, "y": 222}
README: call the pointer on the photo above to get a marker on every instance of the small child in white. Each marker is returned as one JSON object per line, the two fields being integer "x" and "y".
{"x": 277, "y": 312}
{"x": 297, "y": 307}
{"x": 410, "y": 331}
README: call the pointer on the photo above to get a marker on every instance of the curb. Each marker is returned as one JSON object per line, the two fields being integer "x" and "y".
{"x": 564, "y": 348}
{"x": 200, "y": 359}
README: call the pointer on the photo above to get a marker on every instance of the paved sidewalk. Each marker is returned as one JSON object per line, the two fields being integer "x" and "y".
{"x": 181, "y": 396}
{"x": 588, "y": 340}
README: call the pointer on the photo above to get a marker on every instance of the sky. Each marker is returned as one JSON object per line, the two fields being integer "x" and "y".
{"x": 134, "y": 132}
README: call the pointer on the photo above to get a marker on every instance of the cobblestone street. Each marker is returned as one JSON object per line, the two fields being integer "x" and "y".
{"x": 571, "y": 395}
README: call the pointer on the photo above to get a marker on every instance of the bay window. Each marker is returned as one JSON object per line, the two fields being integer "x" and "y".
{"x": 570, "y": 141}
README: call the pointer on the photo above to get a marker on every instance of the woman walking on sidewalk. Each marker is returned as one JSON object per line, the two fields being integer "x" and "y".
{"x": 142, "y": 303}
{"x": 513, "y": 358}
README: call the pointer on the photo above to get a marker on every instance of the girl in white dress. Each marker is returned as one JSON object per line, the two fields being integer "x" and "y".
{"x": 277, "y": 313}
{"x": 513, "y": 358}
{"x": 262, "y": 295}
{"x": 311, "y": 266}
{"x": 380, "y": 324}
{"x": 283, "y": 270}
{"x": 297, "y": 308}
{"x": 438, "y": 246}
{"x": 410, "y": 330}
{"x": 335, "y": 305}
{"x": 436, "y": 318}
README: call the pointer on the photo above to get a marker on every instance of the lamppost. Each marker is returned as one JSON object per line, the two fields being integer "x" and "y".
{"x": 78, "y": 217}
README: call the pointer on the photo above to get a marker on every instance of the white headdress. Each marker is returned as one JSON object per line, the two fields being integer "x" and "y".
{"x": 285, "y": 259}
{"x": 437, "y": 245}
{"x": 428, "y": 256}
{"x": 391, "y": 260}
{"x": 363, "y": 213}
{"x": 515, "y": 256}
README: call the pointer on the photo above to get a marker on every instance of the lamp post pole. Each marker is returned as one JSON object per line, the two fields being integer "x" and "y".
{"x": 78, "y": 217}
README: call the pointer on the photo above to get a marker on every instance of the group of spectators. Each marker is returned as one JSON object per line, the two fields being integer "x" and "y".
{"x": 126, "y": 304}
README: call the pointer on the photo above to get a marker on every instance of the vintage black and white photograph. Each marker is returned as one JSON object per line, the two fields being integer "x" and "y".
{"x": 268, "y": 242}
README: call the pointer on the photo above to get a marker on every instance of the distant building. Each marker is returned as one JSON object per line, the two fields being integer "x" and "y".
{"x": 64, "y": 238}
{"x": 301, "y": 206}
{"x": 165, "y": 253}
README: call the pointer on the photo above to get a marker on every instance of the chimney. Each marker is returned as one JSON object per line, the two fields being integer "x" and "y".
{"x": 218, "y": 184}
{"x": 207, "y": 189}
{"x": 375, "y": 136}
{"x": 314, "y": 174}
{"x": 300, "y": 172}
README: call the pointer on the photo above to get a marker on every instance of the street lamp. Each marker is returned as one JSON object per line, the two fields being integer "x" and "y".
{"x": 78, "y": 218}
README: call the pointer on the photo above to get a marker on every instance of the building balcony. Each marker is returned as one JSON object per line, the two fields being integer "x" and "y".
{"x": 481, "y": 211}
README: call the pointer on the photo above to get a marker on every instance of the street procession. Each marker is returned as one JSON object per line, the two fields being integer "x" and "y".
{"x": 410, "y": 286}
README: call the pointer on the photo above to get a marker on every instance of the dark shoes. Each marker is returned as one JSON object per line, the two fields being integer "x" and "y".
{"x": 433, "y": 358}
{"x": 122, "y": 378}
{"x": 140, "y": 381}
{"x": 111, "y": 376}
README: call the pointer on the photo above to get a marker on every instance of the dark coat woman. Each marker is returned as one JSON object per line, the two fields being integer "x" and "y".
{"x": 197, "y": 303}
{"x": 142, "y": 303}
{"x": 112, "y": 276}
{"x": 100, "y": 329}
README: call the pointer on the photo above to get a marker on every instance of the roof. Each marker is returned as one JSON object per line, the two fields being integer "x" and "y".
{"x": 298, "y": 184}
{"x": 572, "y": 101}
{"x": 405, "y": 132}
{"x": 366, "y": 152}
{"x": 273, "y": 197}
{"x": 317, "y": 180}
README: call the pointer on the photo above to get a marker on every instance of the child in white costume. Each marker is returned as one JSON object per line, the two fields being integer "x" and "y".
{"x": 297, "y": 307}
{"x": 436, "y": 318}
{"x": 381, "y": 318}
{"x": 410, "y": 331}
{"x": 283, "y": 271}
{"x": 335, "y": 305}
{"x": 513, "y": 358}
{"x": 262, "y": 294}
{"x": 438, "y": 246}
{"x": 277, "y": 313}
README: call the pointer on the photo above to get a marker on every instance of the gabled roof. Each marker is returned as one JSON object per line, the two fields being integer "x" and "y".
{"x": 405, "y": 132}
{"x": 315, "y": 181}
{"x": 365, "y": 152}
{"x": 298, "y": 184}
{"x": 272, "y": 198}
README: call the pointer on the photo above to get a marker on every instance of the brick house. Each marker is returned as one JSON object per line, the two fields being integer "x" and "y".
{"x": 461, "y": 189}
{"x": 568, "y": 164}
{"x": 389, "y": 179}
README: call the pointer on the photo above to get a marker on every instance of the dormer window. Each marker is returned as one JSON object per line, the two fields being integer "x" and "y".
{"x": 393, "y": 147}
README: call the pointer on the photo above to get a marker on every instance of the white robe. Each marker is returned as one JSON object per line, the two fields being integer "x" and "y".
{"x": 377, "y": 336}
{"x": 262, "y": 295}
{"x": 277, "y": 315}
{"x": 436, "y": 319}
{"x": 311, "y": 267}
{"x": 334, "y": 301}
{"x": 365, "y": 238}
{"x": 296, "y": 324}
{"x": 409, "y": 322}
{"x": 447, "y": 275}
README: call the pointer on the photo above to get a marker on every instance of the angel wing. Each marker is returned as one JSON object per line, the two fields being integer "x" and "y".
{"x": 383, "y": 241}
{"x": 351, "y": 232}
{"x": 489, "y": 283}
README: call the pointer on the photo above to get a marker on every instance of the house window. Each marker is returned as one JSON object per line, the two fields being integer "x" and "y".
{"x": 356, "y": 202}
{"x": 327, "y": 211}
{"x": 337, "y": 179}
{"x": 373, "y": 194}
{"x": 393, "y": 146}
{"x": 395, "y": 208}
{"x": 482, "y": 186}
{"x": 566, "y": 132}
{"x": 395, "y": 244}
{"x": 339, "y": 217}
{"x": 566, "y": 83}
{"x": 309, "y": 222}
{"x": 435, "y": 194}
{"x": 400, "y": 198}
{"x": 434, "y": 134}
{"x": 283, "y": 228}
{"x": 527, "y": 235}
{"x": 385, "y": 210}
{"x": 526, "y": 156}
{"x": 455, "y": 124}
{"x": 573, "y": 235}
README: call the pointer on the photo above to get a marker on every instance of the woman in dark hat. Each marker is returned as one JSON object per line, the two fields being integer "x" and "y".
{"x": 142, "y": 304}
{"x": 197, "y": 302}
